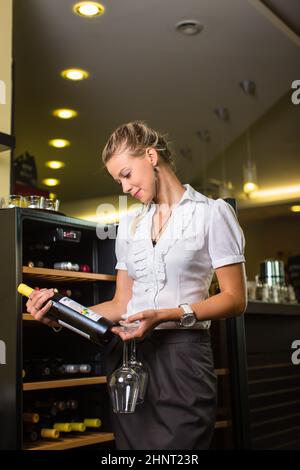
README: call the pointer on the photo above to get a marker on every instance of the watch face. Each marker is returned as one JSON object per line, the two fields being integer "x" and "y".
{"x": 188, "y": 320}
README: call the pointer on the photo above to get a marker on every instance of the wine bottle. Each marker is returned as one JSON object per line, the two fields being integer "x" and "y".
{"x": 39, "y": 247}
{"x": 77, "y": 426}
{"x": 66, "y": 266}
{"x": 71, "y": 404}
{"x": 31, "y": 417}
{"x": 73, "y": 369}
{"x": 37, "y": 369}
{"x": 62, "y": 427}
{"x": 30, "y": 435}
{"x": 36, "y": 264}
{"x": 34, "y": 432}
{"x": 92, "y": 422}
{"x": 76, "y": 317}
{"x": 50, "y": 407}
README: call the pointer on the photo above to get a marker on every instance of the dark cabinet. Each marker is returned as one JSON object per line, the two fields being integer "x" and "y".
{"x": 28, "y": 251}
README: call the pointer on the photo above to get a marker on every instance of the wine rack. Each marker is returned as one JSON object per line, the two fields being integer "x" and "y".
{"x": 24, "y": 338}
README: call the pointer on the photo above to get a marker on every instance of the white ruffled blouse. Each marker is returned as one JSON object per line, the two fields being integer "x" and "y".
{"x": 201, "y": 235}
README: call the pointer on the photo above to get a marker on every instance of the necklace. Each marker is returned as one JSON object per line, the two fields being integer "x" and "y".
{"x": 154, "y": 236}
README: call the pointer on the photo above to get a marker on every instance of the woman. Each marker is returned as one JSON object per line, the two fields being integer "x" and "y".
{"x": 166, "y": 256}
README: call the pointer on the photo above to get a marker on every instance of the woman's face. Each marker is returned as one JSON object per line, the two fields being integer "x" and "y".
{"x": 135, "y": 174}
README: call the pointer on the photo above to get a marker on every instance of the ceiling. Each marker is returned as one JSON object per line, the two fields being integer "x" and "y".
{"x": 142, "y": 68}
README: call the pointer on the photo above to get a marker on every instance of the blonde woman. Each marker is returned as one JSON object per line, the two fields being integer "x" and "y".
{"x": 166, "y": 257}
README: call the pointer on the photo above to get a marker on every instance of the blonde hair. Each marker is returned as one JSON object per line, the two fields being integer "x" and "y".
{"x": 135, "y": 137}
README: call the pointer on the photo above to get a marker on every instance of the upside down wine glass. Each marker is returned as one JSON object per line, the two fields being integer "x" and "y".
{"x": 124, "y": 385}
{"x": 141, "y": 370}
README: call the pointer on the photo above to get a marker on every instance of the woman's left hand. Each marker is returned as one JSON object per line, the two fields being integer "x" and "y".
{"x": 148, "y": 319}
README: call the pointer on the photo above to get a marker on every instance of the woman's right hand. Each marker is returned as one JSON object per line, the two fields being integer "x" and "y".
{"x": 38, "y": 305}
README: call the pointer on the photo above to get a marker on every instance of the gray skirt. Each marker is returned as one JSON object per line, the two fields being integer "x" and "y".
{"x": 179, "y": 410}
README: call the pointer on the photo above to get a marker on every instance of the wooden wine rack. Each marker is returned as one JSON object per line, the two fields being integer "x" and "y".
{"x": 86, "y": 439}
{"x": 57, "y": 275}
{"x": 47, "y": 384}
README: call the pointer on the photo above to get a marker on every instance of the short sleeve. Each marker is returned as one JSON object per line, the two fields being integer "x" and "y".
{"x": 226, "y": 241}
{"x": 122, "y": 243}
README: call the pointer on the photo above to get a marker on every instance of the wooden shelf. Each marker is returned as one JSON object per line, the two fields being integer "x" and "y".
{"x": 57, "y": 275}
{"x": 28, "y": 317}
{"x": 63, "y": 383}
{"x": 85, "y": 439}
{"x": 223, "y": 424}
{"x": 7, "y": 142}
{"x": 218, "y": 372}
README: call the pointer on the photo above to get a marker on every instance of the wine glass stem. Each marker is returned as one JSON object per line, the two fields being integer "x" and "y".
{"x": 125, "y": 353}
{"x": 133, "y": 350}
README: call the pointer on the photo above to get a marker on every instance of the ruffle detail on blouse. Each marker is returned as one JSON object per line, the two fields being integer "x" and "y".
{"x": 178, "y": 229}
{"x": 143, "y": 251}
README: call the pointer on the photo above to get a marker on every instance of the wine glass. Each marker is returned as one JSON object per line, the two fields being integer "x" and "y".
{"x": 124, "y": 385}
{"x": 140, "y": 369}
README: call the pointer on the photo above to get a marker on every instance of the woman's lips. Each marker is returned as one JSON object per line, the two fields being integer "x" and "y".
{"x": 137, "y": 193}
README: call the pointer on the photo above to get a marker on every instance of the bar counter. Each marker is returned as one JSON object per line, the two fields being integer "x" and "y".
{"x": 272, "y": 337}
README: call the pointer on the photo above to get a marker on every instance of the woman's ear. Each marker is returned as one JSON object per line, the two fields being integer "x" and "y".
{"x": 152, "y": 156}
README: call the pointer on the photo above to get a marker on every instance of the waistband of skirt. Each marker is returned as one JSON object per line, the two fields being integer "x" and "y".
{"x": 180, "y": 335}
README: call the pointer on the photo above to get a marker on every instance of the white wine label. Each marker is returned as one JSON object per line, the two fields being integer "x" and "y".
{"x": 80, "y": 308}
{"x": 79, "y": 332}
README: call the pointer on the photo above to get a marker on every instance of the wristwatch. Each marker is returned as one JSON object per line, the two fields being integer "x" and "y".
{"x": 188, "y": 318}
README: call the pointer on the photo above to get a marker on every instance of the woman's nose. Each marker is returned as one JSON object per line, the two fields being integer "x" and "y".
{"x": 126, "y": 187}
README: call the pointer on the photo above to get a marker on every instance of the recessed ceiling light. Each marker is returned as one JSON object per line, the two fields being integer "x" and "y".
{"x": 189, "y": 27}
{"x": 222, "y": 113}
{"x": 59, "y": 143}
{"x": 65, "y": 113}
{"x": 295, "y": 208}
{"x": 51, "y": 181}
{"x": 74, "y": 74}
{"x": 88, "y": 9}
{"x": 55, "y": 164}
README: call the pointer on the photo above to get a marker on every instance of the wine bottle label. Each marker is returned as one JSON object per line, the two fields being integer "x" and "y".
{"x": 80, "y": 308}
{"x": 72, "y": 328}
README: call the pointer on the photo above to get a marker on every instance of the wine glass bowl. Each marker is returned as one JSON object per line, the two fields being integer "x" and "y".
{"x": 142, "y": 373}
{"x": 136, "y": 365}
{"x": 124, "y": 389}
{"x": 124, "y": 383}
{"x": 128, "y": 384}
